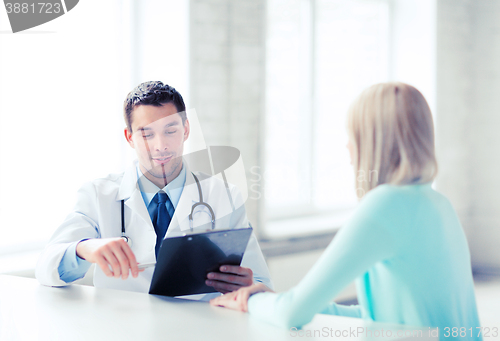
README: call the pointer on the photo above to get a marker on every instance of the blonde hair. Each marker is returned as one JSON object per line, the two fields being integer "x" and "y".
{"x": 392, "y": 136}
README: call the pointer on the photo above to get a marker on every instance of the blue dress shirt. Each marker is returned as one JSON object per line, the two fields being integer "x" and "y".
{"x": 73, "y": 267}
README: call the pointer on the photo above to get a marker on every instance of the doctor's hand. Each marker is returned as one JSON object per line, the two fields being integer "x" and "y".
{"x": 108, "y": 253}
{"x": 238, "y": 300}
{"x": 230, "y": 278}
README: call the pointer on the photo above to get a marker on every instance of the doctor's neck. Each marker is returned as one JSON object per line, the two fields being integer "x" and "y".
{"x": 163, "y": 175}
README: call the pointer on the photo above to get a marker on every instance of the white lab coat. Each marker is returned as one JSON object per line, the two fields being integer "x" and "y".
{"x": 97, "y": 215}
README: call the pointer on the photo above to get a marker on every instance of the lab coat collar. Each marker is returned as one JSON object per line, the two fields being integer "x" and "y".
{"x": 130, "y": 192}
{"x": 129, "y": 183}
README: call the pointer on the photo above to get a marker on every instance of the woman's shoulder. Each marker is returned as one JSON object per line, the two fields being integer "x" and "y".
{"x": 388, "y": 200}
{"x": 388, "y": 193}
{"x": 399, "y": 192}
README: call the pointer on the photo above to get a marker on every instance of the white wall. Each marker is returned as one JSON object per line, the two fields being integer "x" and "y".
{"x": 468, "y": 120}
{"x": 413, "y": 50}
{"x": 227, "y": 75}
{"x": 485, "y": 126}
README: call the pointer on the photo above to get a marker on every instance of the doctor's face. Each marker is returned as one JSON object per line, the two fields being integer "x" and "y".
{"x": 158, "y": 137}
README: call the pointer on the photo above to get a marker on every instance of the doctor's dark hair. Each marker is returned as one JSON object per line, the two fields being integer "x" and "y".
{"x": 153, "y": 93}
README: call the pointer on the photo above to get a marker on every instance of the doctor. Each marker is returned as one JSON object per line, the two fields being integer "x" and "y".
{"x": 157, "y": 194}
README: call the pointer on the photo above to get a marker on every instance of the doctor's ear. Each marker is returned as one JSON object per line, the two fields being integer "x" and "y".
{"x": 128, "y": 137}
{"x": 186, "y": 129}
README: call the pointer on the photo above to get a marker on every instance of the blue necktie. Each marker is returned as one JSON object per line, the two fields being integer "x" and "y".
{"x": 160, "y": 217}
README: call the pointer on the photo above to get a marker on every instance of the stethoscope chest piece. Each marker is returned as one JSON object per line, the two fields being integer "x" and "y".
{"x": 201, "y": 203}
{"x": 127, "y": 240}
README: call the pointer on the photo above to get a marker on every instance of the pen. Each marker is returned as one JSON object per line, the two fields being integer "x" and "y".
{"x": 146, "y": 265}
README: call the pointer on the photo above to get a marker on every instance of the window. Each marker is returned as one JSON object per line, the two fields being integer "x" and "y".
{"x": 62, "y": 87}
{"x": 320, "y": 55}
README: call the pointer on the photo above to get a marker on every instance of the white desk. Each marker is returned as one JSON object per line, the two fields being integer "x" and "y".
{"x": 30, "y": 311}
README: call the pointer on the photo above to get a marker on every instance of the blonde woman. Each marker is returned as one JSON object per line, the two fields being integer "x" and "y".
{"x": 404, "y": 246}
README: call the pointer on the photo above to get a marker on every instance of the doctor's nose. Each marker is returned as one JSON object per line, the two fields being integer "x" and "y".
{"x": 159, "y": 143}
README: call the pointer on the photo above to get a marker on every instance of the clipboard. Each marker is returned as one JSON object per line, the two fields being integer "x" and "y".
{"x": 183, "y": 262}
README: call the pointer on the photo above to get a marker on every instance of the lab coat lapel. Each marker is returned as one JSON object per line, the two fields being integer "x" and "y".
{"x": 130, "y": 193}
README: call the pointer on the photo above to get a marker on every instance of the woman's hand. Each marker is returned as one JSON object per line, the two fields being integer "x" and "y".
{"x": 238, "y": 300}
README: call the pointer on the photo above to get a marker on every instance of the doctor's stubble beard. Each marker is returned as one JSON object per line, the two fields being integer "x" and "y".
{"x": 176, "y": 162}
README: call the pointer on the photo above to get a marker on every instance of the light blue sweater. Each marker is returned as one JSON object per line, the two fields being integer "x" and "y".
{"x": 406, "y": 250}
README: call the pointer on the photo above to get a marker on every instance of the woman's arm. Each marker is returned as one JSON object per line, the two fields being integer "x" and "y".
{"x": 362, "y": 242}
{"x": 355, "y": 249}
{"x": 342, "y": 310}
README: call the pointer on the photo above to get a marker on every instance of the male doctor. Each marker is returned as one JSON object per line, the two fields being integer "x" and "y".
{"x": 158, "y": 192}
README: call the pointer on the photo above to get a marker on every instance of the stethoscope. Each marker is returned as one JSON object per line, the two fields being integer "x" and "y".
{"x": 199, "y": 203}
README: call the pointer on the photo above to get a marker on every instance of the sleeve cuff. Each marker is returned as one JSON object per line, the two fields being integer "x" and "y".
{"x": 72, "y": 267}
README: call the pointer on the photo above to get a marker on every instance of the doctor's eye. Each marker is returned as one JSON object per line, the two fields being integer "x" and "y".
{"x": 171, "y": 131}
